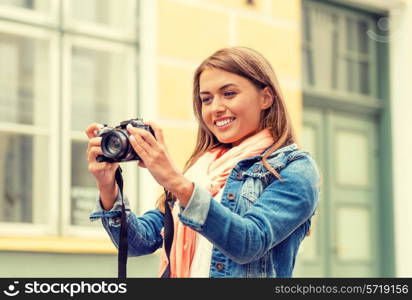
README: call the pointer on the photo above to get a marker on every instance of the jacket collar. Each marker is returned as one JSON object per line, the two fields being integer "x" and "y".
{"x": 274, "y": 159}
{"x": 288, "y": 148}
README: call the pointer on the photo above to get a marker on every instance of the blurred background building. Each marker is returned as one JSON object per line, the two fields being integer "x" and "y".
{"x": 343, "y": 66}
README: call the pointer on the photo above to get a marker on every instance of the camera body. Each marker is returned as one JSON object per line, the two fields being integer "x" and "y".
{"x": 115, "y": 142}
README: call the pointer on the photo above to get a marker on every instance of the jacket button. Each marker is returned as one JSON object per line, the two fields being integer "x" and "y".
{"x": 239, "y": 175}
{"x": 117, "y": 220}
{"x": 219, "y": 266}
{"x": 231, "y": 196}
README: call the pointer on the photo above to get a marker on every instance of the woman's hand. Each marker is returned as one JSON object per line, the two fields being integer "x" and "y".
{"x": 156, "y": 159}
{"x": 103, "y": 172}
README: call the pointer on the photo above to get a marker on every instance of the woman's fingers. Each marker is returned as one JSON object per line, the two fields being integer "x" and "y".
{"x": 141, "y": 134}
{"x": 157, "y": 130}
{"x": 93, "y": 152}
{"x": 95, "y": 141}
{"x": 100, "y": 167}
{"x": 139, "y": 140}
{"x": 140, "y": 147}
{"x": 94, "y": 165}
{"x": 91, "y": 130}
{"x": 152, "y": 152}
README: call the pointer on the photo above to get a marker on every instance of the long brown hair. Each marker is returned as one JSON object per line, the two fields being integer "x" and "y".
{"x": 251, "y": 65}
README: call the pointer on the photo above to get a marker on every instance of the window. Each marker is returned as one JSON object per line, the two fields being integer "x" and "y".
{"x": 338, "y": 55}
{"x": 28, "y": 140}
{"x": 57, "y": 75}
{"x": 100, "y": 89}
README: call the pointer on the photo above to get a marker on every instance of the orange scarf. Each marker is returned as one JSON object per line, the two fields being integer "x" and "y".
{"x": 218, "y": 163}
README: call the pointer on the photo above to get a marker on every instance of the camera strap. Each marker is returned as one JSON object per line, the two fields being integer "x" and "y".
{"x": 123, "y": 243}
{"x": 168, "y": 230}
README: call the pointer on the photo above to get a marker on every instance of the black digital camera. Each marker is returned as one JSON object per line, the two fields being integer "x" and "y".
{"x": 115, "y": 142}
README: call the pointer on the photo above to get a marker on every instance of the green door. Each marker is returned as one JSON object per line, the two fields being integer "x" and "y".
{"x": 345, "y": 122}
{"x": 352, "y": 159}
{"x": 344, "y": 240}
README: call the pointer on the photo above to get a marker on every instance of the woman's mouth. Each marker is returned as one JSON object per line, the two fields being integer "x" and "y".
{"x": 223, "y": 124}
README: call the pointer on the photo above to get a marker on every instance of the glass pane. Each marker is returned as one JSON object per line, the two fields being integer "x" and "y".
{"x": 24, "y": 80}
{"x": 334, "y": 65}
{"x": 352, "y": 158}
{"x": 103, "y": 12}
{"x": 353, "y": 234}
{"x": 322, "y": 49}
{"x": 350, "y": 34}
{"x": 23, "y": 178}
{"x": 308, "y": 67}
{"x": 83, "y": 189}
{"x": 99, "y": 85}
{"x": 364, "y": 78}
{"x": 41, "y": 5}
{"x": 350, "y": 75}
{"x": 363, "y": 38}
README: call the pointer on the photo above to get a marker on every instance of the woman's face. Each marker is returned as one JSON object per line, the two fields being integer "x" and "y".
{"x": 231, "y": 105}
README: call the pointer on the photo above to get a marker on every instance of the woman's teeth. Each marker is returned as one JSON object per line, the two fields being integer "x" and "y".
{"x": 224, "y": 122}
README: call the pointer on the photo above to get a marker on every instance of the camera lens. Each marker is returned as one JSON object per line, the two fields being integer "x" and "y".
{"x": 114, "y": 144}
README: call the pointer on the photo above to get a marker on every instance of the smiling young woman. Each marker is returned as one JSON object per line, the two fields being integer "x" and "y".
{"x": 245, "y": 199}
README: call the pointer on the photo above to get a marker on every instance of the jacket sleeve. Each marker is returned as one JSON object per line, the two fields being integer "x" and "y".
{"x": 281, "y": 208}
{"x": 143, "y": 232}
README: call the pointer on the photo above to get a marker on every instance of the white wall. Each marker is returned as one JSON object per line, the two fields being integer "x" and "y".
{"x": 401, "y": 98}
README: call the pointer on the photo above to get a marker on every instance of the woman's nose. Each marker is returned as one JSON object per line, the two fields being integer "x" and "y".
{"x": 218, "y": 105}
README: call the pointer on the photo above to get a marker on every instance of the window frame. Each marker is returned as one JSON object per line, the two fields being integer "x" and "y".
{"x": 50, "y": 131}
{"x": 18, "y": 14}
{"x": 341, "y": 92}
{"x": 100, "y": 30}
{"x": 68, "y": 135}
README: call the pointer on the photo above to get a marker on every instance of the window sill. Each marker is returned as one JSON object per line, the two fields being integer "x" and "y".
{"x": 57, "y": 245}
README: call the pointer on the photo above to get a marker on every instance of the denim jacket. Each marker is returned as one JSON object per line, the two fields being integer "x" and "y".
{"x": 256, "y": 229}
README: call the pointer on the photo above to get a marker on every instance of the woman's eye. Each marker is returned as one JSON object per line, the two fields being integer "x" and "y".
{"x": 229, "y": 94}
{"x": 205, "y": 100}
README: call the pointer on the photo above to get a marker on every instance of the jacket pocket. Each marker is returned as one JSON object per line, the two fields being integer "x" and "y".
{"x": 249, "y": 193}
{"x": 247, "y": 197}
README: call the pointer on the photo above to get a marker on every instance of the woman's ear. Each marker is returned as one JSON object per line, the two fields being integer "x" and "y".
{"x": 267, "y": 98}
